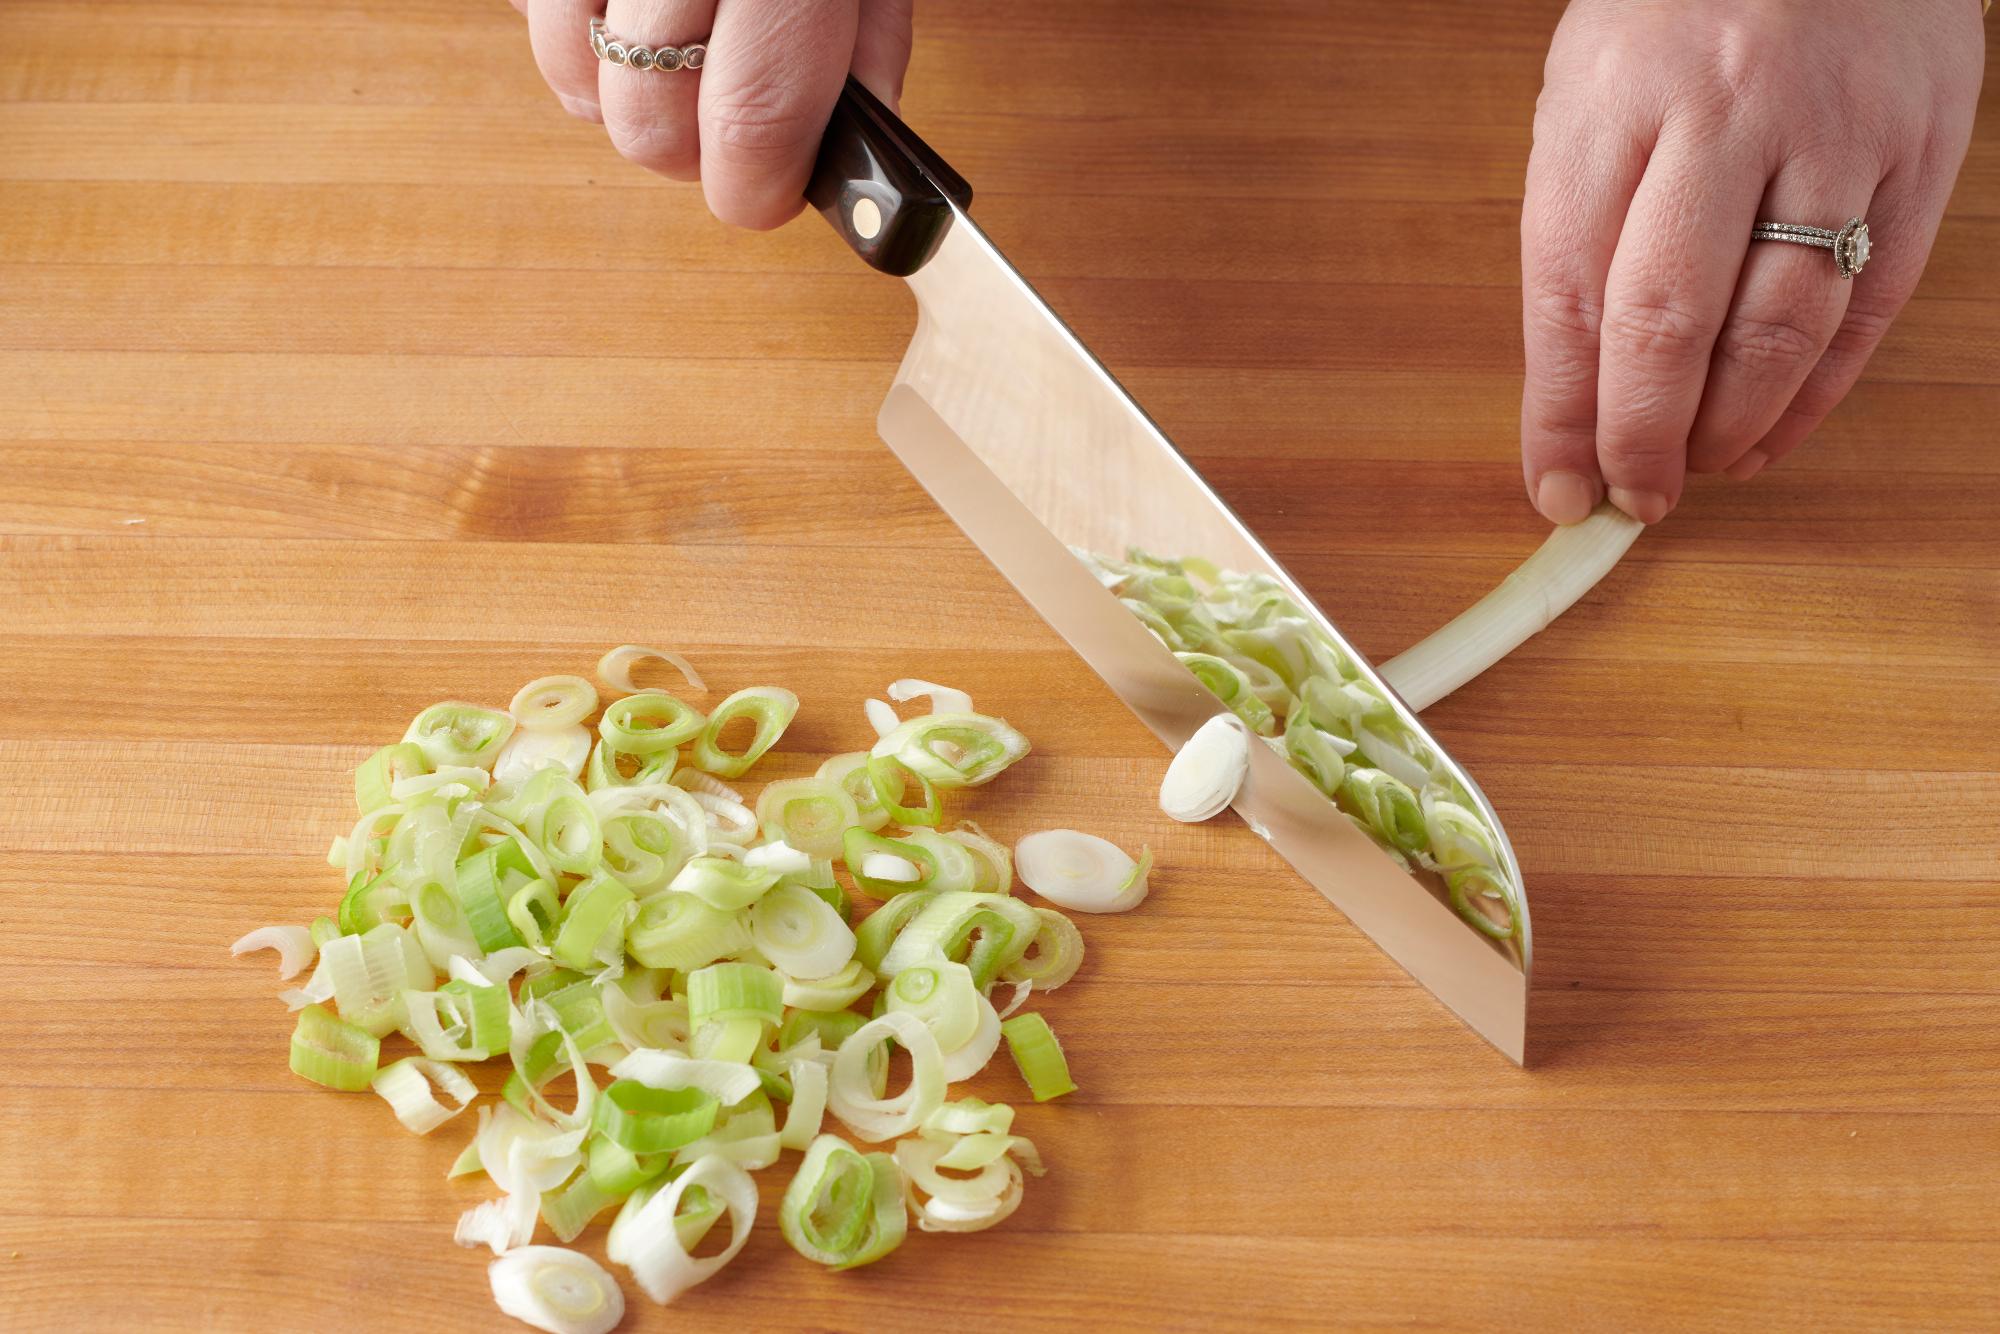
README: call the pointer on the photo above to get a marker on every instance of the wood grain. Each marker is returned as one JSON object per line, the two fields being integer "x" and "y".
{"x": 331, "y": 386}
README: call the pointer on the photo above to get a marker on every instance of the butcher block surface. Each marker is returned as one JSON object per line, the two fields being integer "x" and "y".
{"x": 340, "y": 372}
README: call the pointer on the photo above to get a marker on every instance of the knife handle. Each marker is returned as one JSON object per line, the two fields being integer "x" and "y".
{"x": 884, "y": 189}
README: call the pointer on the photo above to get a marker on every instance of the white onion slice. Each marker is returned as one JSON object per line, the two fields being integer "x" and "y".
{"x": 970, "y": 1058}
{"x": 851, "y": 1096}
{"x": 500, "y": 1225}
{"x": 943, "y": 699}
{"x": 781, "y": 857}
{"x": 808, "y": 1106}
{"x": 729, "y": 1081}
{"x": 565, "y": 748}
{"x": 318, "y": 989}
{"x": 1021, "y": 990}
{"x": 881, "y": 716}
{"x": 615, "y": 667}
{"x": 1209, "y": 771}
{"x": 294, "y": 945}
{"x": 888, "y": 866}
{"x": 1079, "y": 871}
{"x": 650, "y": 1246}
{"x": 694, "y": 780}
{"x": 556, "y": 1290}
{"x": 407, "y": 1087}
{"x": 728, "y": 821}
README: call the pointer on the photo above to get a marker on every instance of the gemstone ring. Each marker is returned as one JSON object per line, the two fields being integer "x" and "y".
{"x": 1849, "y": 245}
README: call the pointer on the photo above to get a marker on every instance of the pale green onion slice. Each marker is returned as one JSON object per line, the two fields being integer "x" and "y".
{"x": 849, "y": 773}
{"x": 938, "y": 1213}
{"x": 808, "y": 1106}
{"x": 723, "y": 992}
{"x": 333, "y": 1053}
{"x": 878, "y": 931}
{"x": 457, "y": 1022}
{"x": 406, "y": 1085}
{"x": 441, "y": 926}
{"x": 881, "y": 715}
{"x": 727, "y": 821}
{"x": 534, "y": 911}
{"x": 610, "y": 768}
{"x": 448, "y": 781}
{"x": 575, "y": 1205}
{"x": 779, "y": 856}
{"x": 1483, "y": 897}
{"x": 380, "y": 772}
{"x": 884, "y": 869}
{"x": 652, "y": 1246}
{"x": 829, "y": 1204}
{"x": 575, "y": 1123}
{"x": 835, "y": 992}
{"x": 502, "y": 1225}
{"x": 647, "y": 849}
{"x": 564, "y": 749}
{"x": 525, "y": 1156}
{"x": 891, "y": 778}
{"x": 953, "y": 866}
{"x": 1053, "y": 958}
{"x": 553, "y": 703}
{"x": 1038, "y": 1055}
{"x": 723, "y": 885}
{"x": 800, "y": 933}
{"x": 955, "y": 750}
{"x": 466, "y": 1163}
{"x": 769, "y": 708}
{"x": 681, "y": 932}
{"x": 809, "y": 814}
{"x": 993, "y": 865}
{"x": 1387, "y": 807}
{"x": 747, "y": 1136}
{"x": 566, "y": 826}
{"x": 1081, "y": 872}
{"x": 1019, "y": 998}
{"x": 850, "y": 1094}
{"x": 455, "y": 733}
{"x": 1228, "y": 684}
{"x": 639, "y": 1017}
{"x": 728, "y": 1082}
{"x": 694, "y": 780}
{"x": 921, "y": 1157}
{"x": 651, "y": 722}
{"x": 558, "y": 1291}
{"x": 971, "y": 1056}
{"x": 728, "y": 1039}
{"x": 642, "y": 1119}
{"x": 1208, "y": 772}
{"x": 371, "y": 972}
{"x": 1318, "y": 754}
{"x": 985, "y": 932}
{"x": 942, "y": 995}
{"x": 615, "y": 667}
{"x": 1458, "y": 837}
{"x": 294, "y": 945}
{"x": 592, "y": 932}
{"x": 969, "y": 1116}
{"x": 943, "y": 699}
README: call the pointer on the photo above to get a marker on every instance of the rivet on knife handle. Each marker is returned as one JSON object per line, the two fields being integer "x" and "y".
{"x": 884, "y": 189}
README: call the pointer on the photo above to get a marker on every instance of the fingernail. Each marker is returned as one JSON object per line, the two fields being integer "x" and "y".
{"x": 1645, "y": 506}
{"x": 1747, "y": 467}
{"x": 581, "y": 107}
{"x": 1566, "y": 497}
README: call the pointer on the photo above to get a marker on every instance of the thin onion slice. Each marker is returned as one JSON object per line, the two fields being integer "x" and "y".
{"x": 565, "y": 748}
{"x": 294, "y": 945}
{"x": 553, "y": 702}
{"x": 881, "y": 716}
{"x": 556, "y": 1290}
{"x": 1081, "y": 872}
{"x": 1209, "y": 771}
{"x": 943, "y": 699}
{"x": 650, "y": 1246}
{"x": 406, "y": 1087}
{"x": 615, "y": 667}
{"x": 852, "y": 1097}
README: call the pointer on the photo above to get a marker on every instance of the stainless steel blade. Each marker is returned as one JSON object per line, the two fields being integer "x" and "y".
{"x": 1033, "y": 449}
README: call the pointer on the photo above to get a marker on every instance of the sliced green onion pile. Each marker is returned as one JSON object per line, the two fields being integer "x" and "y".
{"x": 1286, "y": 680}
{"x": 573, "y": 887}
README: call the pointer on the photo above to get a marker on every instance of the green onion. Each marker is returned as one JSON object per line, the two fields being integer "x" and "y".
{"x": 985, "y": 932}
{"x": 534, "y": 911}
{"x": 850, "y": 774}
{"x": 992, "y": 864}
{"x": 592, "y": 933}
{"x": 336, "y": 1054}
{"x": 850, "y": 1094}
{"x": 1054, "y": 957}
{"x": 809, "y": 814}
{"x": 646, "y": 849}
{"x": 651, "y": 722}
{"x": 723, "y": 884}
{"x": 458, "y": 1021}
{"x": 891, "y": 778}
{"x": 954, "y": 750}
{"x": 969, "y": 1116}
{"x": 610, "y": 768}
{"x": 575, "y": 1205}
{"x": 878, "y": 931}
{"x": 486, "y": 883}
{"x": 681, "y": 932}
{"x": 722, "y": 992}
{"x": 746, "y": 1135}
{"x": 1081, "y": 871}
{"x": 556, "y": 1290}
{"x": 618, "y": 1171}
{"x": 323, "y": 929}
{"x": 566, "y": 825}
{"x": 808, "y": 1079}
{"x": 886, "y": 867}
{"x": 462, "y": 734}
{"x": 382, "y": 770}
{"x": 836, "y": 991}
{"x": 1228, "y": 684}
{"x": 831, "y": 1027}
{"x": 553, "y": 702}
{"x": 649, "y": 1120}
{"x": 651, "y": 1244}
{"x": 371, "y": 902}
{"x": 406, "y": 1086}
{"x": 615, "y": 667}
{"x": 770, "y": 709}
{"x": 1038, "y": 1055}
{"x": 943, "y": 997}
{"x": 371, "y": 972}
{"x": 829, "y": 1205}
{"x": 800, "y": 933}
{"x": 1387, "y": 807}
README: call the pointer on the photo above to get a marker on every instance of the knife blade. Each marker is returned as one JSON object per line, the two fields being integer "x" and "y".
{"x": 1034, "y": 449}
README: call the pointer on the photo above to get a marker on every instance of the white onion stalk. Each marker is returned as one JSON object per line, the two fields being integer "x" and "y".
{"x": 781, "y": 857}
{"x": 446, "y": 780}
{"x": 800, "y": 933}
{"x": 851, "y": 1096}
{"x": 650, "y": 1246}
{"x": 881, "y": 716}
{"x": 294, "y": 945}
{"x": 565, "y": 748}
{"x": 318, "y": 989}
{"x": 556, "y": 1290}
{"x": 726, "y": 821}
{"x": 406, "y": 1086}
{"x": 1566, "y": 566}
{"x": 729, "y": 1082}
{"x": 615, "y": 667}
{"x": 1209, "y": 770}
{"x": 888, "y": 866}
{"x": 808, "y": 1106}
{"x": 970, "y": 1057}
{"x": 1082, "y": 872}
{"x": 943, "y": 699}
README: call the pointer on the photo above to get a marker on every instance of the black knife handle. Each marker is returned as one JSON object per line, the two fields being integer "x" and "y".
{"x": 882, "y": 187}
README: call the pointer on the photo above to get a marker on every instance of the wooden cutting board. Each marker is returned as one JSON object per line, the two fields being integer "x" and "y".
{"x": 339, "y": 372}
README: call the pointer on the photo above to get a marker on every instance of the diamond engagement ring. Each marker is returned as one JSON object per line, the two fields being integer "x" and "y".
{"x": 665, "y": 59}
{"x": 1849, "y": 245}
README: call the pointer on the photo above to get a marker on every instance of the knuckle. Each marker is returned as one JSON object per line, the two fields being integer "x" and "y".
{"x": 659, "y": 145}
{"x": 1562, "y": 307}
{"x": 758, "y": 122}
{"x": 1770, "y": 349}
{"x": 1632, "y": 454}
{"x": 1657, "y": 330}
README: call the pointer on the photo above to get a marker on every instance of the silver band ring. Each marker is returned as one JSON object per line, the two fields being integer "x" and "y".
{"x": 665, "y": 59}
{"x": 1850, "y": 245}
